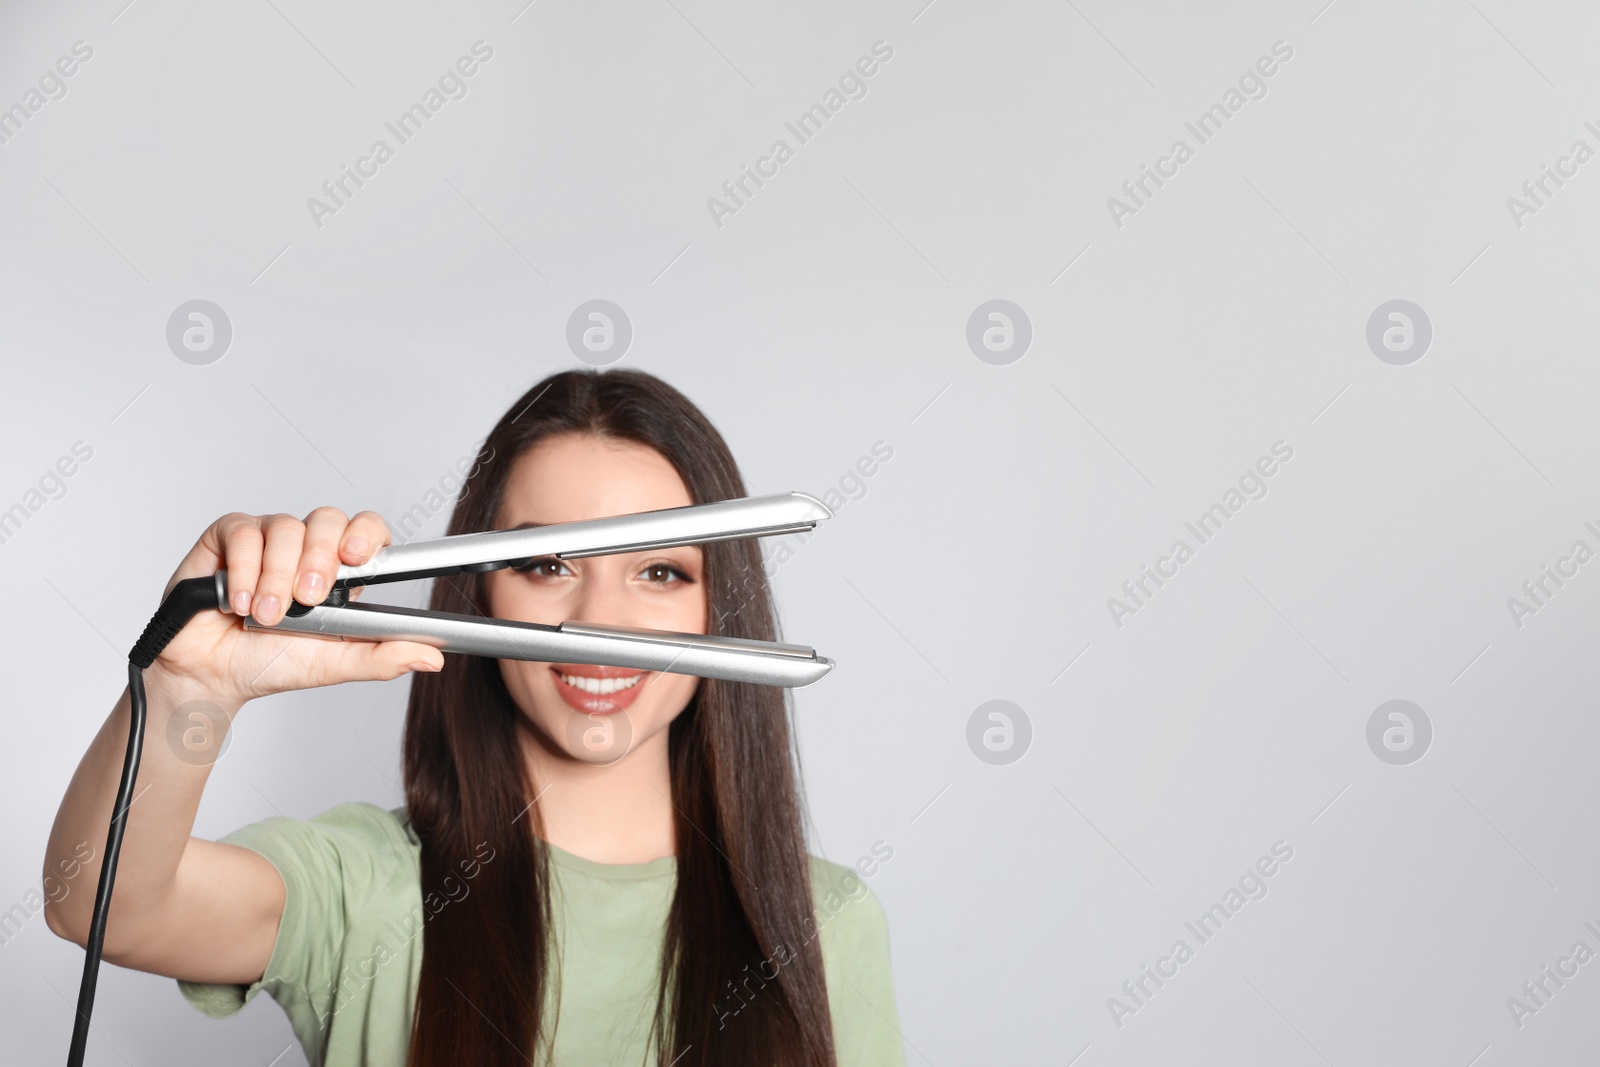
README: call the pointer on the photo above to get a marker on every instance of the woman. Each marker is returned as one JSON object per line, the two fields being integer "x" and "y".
{"x": 593, "y": 865}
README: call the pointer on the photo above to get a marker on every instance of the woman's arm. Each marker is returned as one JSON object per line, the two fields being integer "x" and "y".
{"x": 182, "y": 906}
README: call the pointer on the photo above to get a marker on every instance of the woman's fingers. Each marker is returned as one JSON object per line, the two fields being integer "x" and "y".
{"x": 380, "y": 661}
{"x": 285, "y": 536}
{"x": 319, "y": 555}
{"x": 242, "y": 545}
{"x": 366, "y": 534}
{"x": 398, "y": 657}
{"x": 206, "y": 555}
{"x": 272, "y": 562}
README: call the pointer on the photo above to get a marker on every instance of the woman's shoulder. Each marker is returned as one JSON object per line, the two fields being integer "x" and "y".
{"x": 363, "y": 824}
{"x": 846, "y": 909}
{"x": 352, "y": 838}
{"x": 361, "y": 818}
{"x": 358, "y": 816}
{"x": 854, "y": 934}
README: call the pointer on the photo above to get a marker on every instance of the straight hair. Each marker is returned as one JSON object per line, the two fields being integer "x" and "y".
{"x": 743, "y": 895}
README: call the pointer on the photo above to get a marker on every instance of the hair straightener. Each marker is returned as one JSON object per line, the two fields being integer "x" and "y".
{"x": 337, "y": 617}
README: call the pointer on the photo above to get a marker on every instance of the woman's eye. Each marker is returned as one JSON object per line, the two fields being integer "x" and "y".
{"x": 662, "y": 573}
{"x": 540, "y": 567}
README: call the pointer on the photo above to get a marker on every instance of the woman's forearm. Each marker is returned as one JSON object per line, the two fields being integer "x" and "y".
{"x": 183, "y": 732}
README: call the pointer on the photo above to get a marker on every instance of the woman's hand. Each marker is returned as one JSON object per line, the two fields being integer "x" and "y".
{"x": 272, "y": 560}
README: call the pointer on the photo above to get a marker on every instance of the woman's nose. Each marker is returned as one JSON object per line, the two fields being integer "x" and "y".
{"x": 602, "y": 597}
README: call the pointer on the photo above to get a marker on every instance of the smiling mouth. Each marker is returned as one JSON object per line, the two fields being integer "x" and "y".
{"x": 599, "y": 686}
{"x": 595, "y": 690}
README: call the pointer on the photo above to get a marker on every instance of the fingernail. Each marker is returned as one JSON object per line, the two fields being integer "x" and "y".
{"x": 310, "y": 582}
{"x": 356, "y": 546}
{"x": 241, "y": 603}
{"x": 423, "y": 665}
{"x": 266, "y": 608}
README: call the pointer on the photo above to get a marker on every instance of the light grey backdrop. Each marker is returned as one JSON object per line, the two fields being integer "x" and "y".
{"x": 1174, "y": 337}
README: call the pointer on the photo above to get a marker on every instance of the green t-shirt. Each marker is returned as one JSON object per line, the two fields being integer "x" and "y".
{"x": 348, "y": 954}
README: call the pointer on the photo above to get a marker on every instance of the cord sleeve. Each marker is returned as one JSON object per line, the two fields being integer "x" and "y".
{"x": 188, "y": 598}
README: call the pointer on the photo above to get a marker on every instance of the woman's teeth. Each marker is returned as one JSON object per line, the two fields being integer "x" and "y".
{"x": 600, "y": 686}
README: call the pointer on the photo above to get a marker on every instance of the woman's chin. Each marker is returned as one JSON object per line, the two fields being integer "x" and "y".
{"x": 598, "y": 740}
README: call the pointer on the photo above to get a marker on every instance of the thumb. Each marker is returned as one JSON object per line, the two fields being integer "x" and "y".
{"x": 383, "y": 660}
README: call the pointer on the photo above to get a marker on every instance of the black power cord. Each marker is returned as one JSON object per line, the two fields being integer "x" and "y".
{"x": 187, "y": 599}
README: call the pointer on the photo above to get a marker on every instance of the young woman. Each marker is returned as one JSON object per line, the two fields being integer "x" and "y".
{"x": 592, "y": 866}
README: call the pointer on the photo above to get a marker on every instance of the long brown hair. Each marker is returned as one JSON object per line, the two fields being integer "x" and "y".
{"x": 743, "y": 883}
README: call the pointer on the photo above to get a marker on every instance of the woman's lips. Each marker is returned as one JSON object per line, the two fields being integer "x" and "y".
{"x": 597, "y": 703}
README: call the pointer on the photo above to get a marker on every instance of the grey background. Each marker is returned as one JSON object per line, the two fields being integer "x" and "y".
{"x": 828, "y": 314}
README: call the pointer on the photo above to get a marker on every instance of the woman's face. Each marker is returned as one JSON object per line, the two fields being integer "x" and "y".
{"x": 597, "y": 714}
